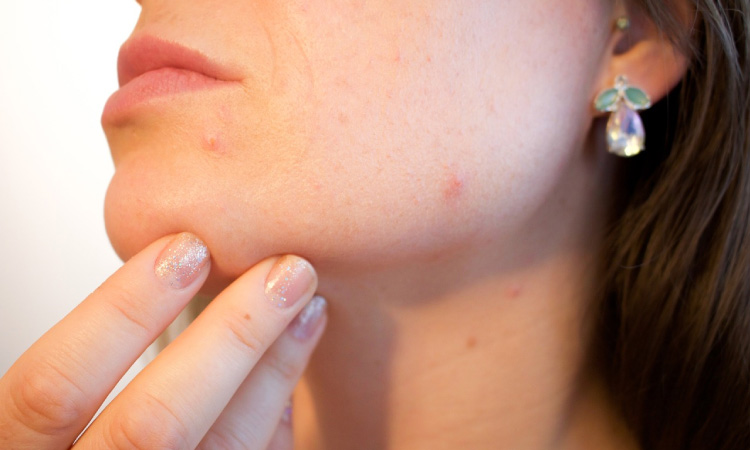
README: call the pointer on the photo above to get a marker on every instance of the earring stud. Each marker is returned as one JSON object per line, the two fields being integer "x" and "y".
{"x": 622, "y": 23}
{"x": 626, "y": 135}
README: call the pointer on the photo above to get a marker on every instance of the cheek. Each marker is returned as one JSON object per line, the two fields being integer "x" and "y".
{"x": 469, "y": 116}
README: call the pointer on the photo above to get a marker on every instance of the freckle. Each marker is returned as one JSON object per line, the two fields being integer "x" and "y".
{"x": 247, "y": 316}
{"x": 471, "y": 342}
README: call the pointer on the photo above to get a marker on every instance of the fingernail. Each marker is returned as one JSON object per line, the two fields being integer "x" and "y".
{"x": 286, "y": 416}
{"x": 289, "y": 280}
{"x": 307, "y": 321}
{"x": 180, "y": 263}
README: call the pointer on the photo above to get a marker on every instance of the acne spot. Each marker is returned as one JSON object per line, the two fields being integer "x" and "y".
{"x": 471, "y": 342}
{"x": 247, "y": 316}
{"x": 213, "y": 143}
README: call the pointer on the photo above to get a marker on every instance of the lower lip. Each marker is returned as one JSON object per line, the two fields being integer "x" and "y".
{"x": 155, "y": 84}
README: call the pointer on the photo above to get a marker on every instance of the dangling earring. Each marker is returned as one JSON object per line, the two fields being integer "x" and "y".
{"x": 625, "y": 133}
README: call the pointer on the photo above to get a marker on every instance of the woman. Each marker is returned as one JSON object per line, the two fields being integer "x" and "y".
{"x": 495, "y": 277}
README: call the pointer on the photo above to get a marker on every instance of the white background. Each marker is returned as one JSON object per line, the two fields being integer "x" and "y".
{"x": 58, "y": 65}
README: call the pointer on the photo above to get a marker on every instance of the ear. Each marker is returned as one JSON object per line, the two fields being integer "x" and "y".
{"x": 643, "y": 53}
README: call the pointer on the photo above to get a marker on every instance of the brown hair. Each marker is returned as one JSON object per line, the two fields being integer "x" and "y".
{"x": 674, "y": 328}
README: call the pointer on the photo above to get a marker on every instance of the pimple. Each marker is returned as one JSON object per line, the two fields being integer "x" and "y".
{"x": 213, "y": 143}
{"x": 471, "y": 342}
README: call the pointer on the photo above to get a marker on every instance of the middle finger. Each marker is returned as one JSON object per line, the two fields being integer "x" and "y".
{"x": 174, "y": 401}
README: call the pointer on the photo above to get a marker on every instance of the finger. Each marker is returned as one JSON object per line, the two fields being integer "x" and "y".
{"x": 283, "y": 436}
{"x": 249, "y": 420}
{"x": 53, "y": 390}
{"x": 173, "y": 402}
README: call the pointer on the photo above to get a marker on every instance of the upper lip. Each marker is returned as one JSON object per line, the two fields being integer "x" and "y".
{"x": 145, "y": 53}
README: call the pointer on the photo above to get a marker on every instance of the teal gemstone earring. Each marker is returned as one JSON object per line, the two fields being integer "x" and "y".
{"x": 625, "y": 133}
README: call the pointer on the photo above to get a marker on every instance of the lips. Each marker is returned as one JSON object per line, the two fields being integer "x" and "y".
{"x": 149, "y": 67}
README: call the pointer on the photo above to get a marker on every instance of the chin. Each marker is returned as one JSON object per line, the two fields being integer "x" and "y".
{"x": 135, "y": 217}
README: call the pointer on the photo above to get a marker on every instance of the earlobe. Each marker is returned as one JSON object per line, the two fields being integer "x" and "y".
{"x": 643, "y": 54}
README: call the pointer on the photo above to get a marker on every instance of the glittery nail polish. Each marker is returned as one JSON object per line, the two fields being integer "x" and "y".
{"x": 304, "y": 325}
{"x": 180, "y": 263}
{"x": 290, "y": 278}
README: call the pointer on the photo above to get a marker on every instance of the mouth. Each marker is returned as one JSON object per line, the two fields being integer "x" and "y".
{"x": 149, "y": 68}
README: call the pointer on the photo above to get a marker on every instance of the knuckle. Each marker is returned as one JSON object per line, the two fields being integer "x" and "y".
{"x": 148, "y": 424}
{"x": 47, "y": 401}
{"x": 286, "y": 368}
{"x": 243, "y": 333}
{"x": 124, "y": 305}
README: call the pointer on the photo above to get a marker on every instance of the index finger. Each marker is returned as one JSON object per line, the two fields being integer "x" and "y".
{"x": 53, "y": 390}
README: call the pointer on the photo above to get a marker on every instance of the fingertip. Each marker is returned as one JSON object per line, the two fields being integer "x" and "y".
{"x": 310, "y": 319}
{"x": 182, "y": 261}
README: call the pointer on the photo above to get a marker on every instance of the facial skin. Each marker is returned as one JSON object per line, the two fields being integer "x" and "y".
{"x": 363, "y": 135}
{"x": 441, "y": 166}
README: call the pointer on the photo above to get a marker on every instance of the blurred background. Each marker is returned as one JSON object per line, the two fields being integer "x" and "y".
{"x": 58, "y": 65}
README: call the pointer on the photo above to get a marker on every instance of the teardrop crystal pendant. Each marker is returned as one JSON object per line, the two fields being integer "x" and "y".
{"x": 625, "y": 133}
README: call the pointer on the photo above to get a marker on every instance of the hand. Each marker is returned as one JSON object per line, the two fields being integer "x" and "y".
{"x": 224, "y": 382}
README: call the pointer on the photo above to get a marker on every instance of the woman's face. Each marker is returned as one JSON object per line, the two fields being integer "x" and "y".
{"x": 356, "y": 134}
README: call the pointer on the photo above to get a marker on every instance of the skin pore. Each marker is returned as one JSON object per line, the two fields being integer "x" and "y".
{"x": 439, "y": 164}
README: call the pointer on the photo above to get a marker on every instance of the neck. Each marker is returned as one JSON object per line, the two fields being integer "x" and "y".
{"x": 497, "y": 362}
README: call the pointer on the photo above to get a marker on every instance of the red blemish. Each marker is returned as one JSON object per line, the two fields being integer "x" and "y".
{"x": 471, "y": 342}
{"x": 214, "y": 144}
{"x": 453, "y": 187}
{"x": 513, "y": 291}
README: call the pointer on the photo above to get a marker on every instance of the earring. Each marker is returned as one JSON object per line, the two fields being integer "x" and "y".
{"x": 622, "y": 23}
{"x": 625, "y": 133}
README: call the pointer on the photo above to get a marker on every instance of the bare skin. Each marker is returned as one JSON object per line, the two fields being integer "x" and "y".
{"x": 440, "y": 165}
